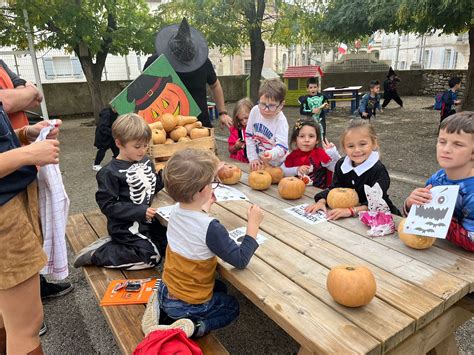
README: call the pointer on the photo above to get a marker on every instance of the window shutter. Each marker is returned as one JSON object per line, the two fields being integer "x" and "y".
{"x": 48, "y": 68}
{"x": 76, "y": 67}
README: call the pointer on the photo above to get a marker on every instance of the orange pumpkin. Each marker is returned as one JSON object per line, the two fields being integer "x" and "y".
{"x": 184, "y": 139}
{"x": 260, "y": 180}
{"x": 169, "y": 141}
{"x": 169, "y": 121}
{"x": 341, "y": 197}
{"x": 351, "y": 286}
{"x": 229, "y": 174}
{"x": 184, "y": 120}
{"x": 158, "y": 136}
{"x": 156, "y": 125}
{"x": 159, "y": 166}
{"x": 178, "y": 133}
{"x": 199, "y": 133}
{"x": 275, "y": 172}
{"x": 412, "y": 240}
{"x": 291, "y": 188}
{"x": 189, "y": 127}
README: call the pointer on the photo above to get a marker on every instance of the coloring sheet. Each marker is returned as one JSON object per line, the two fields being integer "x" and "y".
{"x": 433, "y": 219}
{"x": 227, "y": 193}
{"x": 299, "y": 212}
{"x": 238, "y": 236}
{"x": 165, "y": 211}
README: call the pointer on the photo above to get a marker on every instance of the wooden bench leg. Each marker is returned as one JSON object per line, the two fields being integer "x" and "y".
{"x": 447, "y": 347}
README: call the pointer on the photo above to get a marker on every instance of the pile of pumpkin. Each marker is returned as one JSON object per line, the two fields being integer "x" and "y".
{"x": 173, "y": 129}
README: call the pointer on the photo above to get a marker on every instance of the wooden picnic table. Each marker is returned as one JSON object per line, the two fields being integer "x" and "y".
{"x": 349, "y": 93}
{"x": 421, "y": 294}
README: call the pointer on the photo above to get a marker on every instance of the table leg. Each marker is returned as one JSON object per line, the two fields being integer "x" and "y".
{"x": 447, "y": 347}
{"x": 357, "y": 99}
{"x": 353, "y": 102}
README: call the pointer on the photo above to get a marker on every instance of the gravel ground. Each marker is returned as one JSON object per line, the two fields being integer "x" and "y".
{"x": 75, "y": 322}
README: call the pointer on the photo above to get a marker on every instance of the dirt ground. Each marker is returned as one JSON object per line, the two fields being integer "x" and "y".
{"x": 76, "y": 326}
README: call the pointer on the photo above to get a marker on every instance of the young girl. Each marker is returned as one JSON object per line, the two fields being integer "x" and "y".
{"x": 361, "y": 166}
{"x": 236, "y": 139}
{"x": 309, "y": 159}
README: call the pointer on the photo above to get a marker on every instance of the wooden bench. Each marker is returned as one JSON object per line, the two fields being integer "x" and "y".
{"x": 124, "y": 321}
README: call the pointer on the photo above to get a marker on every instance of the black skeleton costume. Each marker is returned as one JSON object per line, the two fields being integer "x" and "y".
{"x": 126, "y": 190}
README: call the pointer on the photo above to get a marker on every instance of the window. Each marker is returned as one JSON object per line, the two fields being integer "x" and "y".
{"x": 455, "y": 60}
{"x": 284, "y": 61}
{"x": 447, "y": 59}
{"x": 293, "y": 84}
{"x": 62, "y": 67}
{"x": 427, "y": 59}
{"x": 247, "y": 65}
{"x": 403, "y": 65}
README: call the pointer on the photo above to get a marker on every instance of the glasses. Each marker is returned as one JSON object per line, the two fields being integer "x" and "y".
{"x": 271, "y": 107}
{"x": 214, "y": 184}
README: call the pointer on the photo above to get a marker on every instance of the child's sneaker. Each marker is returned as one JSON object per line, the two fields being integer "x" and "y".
{"x": 186, "y": 325}
{"x": 96, "y": 167}
{"x": 84, "y": 257}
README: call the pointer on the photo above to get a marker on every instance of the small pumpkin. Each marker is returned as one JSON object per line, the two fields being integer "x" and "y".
{"x": 158, "y": 136}
{"x": 412, "y": 240}
{"x": 184, "y": 120}
{"x": 229, "y": 174}
{"x": 169, "y": 141}
{"x": 199, "y": 133}
{"x": 291, "y": 188}
{"x": 169, "y": 121}
{"x": 351, "y": 286}
{"x": 189, "y": 127}
{"x": 260, "y": 180}
{"x": 159, "y": 166}
{"x": 178, "y": 133}
{"x": 156, "y": 125}
{"x": 341, "y": 197}
{"x": 276, "y": 173}
{"x": 184, "y": 139}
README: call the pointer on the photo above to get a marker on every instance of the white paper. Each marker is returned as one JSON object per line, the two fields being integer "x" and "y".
{"x": 165, "y": 211}
{"x": 433, "y": 219}
{"x": 299, "y": 212}
{"x": 238, "y": 236}
{"x": 227, "y": 193}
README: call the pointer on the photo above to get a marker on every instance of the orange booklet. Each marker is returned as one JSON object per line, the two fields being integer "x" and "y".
{"x": 114, "y": 297}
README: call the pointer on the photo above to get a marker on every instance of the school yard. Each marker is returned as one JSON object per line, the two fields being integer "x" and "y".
{"x": 75, "y": 323}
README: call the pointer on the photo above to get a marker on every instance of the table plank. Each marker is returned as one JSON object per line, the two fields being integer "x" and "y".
{"x": 298, "y": 312}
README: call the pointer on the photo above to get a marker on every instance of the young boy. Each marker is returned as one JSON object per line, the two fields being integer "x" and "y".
{"x": 390, "y": 89}
{"x": 455, "y": 155}
{"x": 195, "y": 240}
{"x": 127, "y": 186}
{"x": 370, "y": 102}
{"x": 449, "y": 99}
{"x": 314, "y": 104}
{"x": 267, "y": 127}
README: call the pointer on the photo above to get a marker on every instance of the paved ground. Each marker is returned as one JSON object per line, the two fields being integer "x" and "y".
{"x": 75, "y": 322}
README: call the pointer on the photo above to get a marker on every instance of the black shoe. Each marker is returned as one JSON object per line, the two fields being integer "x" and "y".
{"x": 43, "y": 329}
{"x": 53, "y": 290}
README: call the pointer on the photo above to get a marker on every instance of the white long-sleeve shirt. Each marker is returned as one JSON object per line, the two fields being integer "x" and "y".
{"x": 267, "y": 135}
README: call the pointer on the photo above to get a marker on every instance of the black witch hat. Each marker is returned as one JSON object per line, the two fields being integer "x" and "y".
{"x": 390, "y": 72}
{"x": 145, "y": 89}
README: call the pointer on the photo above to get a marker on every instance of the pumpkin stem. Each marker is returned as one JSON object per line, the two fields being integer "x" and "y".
{"x": 350, "y": 268}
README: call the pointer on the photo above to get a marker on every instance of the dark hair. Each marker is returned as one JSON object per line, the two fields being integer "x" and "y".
{"x": 313, "y": 81}
{"x": 459, "y": 122}
{"x": 305, "y": 122}
{"x": 373, "y": 83}
{"x": 454, "y": 81}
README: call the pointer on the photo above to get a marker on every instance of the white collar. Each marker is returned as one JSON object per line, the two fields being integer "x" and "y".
{"x": 362, "y": 168}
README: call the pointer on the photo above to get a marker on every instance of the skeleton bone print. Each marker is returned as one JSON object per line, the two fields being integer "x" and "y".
{"x": 142, "y": 182}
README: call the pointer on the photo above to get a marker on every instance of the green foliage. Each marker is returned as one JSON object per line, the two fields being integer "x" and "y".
{"x": 112, "y": 26}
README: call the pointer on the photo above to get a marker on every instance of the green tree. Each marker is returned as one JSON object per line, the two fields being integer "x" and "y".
{"x": 348, "y": 19}
{"x": 231, "y": 25}
{"x": 89, "y": 28}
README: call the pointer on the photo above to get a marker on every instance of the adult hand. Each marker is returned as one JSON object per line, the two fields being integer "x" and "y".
{"x": 339, "y": 213}
{"x": 43, "y": 153}
{"x": 419, "y": 196}
{"x": 34, "y": 130}
{"x": 225, "y": 120}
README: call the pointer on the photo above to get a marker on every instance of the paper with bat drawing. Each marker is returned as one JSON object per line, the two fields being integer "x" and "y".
{"x": 433, "y": 219}
{"x": 227, "y": 193}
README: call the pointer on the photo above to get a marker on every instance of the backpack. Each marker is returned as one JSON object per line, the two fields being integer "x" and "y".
{"x": 438, "y": 105}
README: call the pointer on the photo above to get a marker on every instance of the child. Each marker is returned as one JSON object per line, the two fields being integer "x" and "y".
{"x": 308, "y": 158}
{"x": 267, "y": 127}
{"x": 314, "y": 105}
{"x": 361, "y": 166}
{"x": 236, "y": 139}
{"x": 370, "y": 102}
{"x": 189, "y": 288}
{"x": 454, "y": 152}
{"x": 390, "y": 89}
{"x": 449, "y": 99}
{"x": 127, "y": 186}
{"x": 103, "y": 136}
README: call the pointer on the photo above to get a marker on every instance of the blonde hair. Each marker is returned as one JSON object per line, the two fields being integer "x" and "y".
{"x": 242, "y": 104}
{"x": 273, "y": 89}
{"x": 131, "y": 127}
{"x": 359, "y": 123}
{"x": 188, "y": 172}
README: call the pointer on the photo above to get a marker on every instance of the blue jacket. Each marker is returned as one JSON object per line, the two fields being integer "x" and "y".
{"x": 369, "y": 104}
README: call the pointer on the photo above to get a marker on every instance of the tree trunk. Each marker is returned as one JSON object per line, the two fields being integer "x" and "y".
{"x": 257, "y": 46}
{"x": 468, "y": 102}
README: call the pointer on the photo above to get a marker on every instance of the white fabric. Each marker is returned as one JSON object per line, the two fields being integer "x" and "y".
{"x": 187, "y": 232}
{"x": 53, "y": 208}
{"x": 267, "y": 135}
{"x": 335, "y": 156}
{"x": 362, "y": 168}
